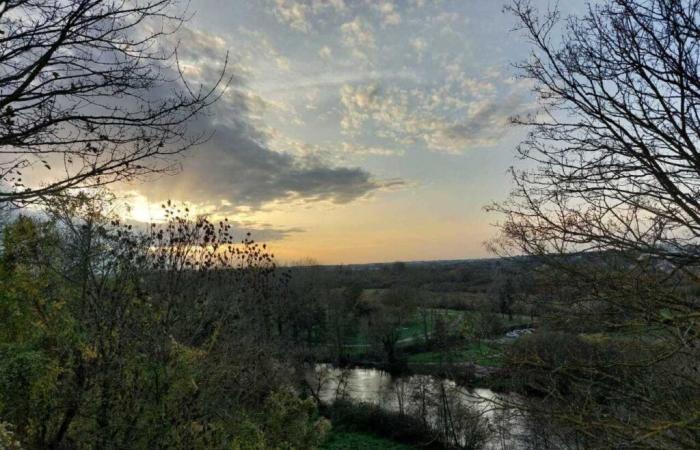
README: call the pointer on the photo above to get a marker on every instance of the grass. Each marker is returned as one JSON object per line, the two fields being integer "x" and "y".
{"x": 504, "y": 319}
{"x": 458, "y": 321}
{"x": 482, "y": 354}
{"x": 411, "y": 330}
{"x": 352, "y": 440}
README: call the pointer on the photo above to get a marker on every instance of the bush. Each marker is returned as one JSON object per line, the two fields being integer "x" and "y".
{"x": 8, "y": 440}
{"x": 552, "y": 361}
{"x": 285, "y": 422}
{"x": 360, "y": 441}
{"x": 110, "y": 338}
{"x": 350, "y": 416}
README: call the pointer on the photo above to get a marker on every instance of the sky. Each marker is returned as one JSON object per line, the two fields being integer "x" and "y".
{"x": 353, "y": 131}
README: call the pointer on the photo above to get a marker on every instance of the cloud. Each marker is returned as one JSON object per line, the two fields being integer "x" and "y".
{"x": 448, "y": 118}
{"x": 485, "y": 124}
{"x": 300, "y": 14}
{"x": 358, "y": 33}
{"x": 388, "y": 12}
{"x": 358, "y": 101}
{"x": 419, "y": 45}
{"x": 283, "y": 63}
{"x": 358, "y": 36}
{"x": 331, "y": 153}
{"x": 139, "y": 212}
{"x": 293, "y": 13}
{"x": 263, "y": 232}
{"x": 236, "y": 167}
{"x": 373, "y": 150}
{"x": 325, "y": 52}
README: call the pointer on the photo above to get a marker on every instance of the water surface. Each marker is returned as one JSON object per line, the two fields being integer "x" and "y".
{"x": 420, "y": 395}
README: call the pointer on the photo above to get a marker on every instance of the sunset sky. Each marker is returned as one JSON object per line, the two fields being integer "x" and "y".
{"x": 353, "y": 130}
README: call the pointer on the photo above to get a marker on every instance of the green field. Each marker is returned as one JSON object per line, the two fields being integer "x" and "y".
{"x": 346, "y": 440}
{"x": 482, "y": 354}
{"x": 457, "y": 321}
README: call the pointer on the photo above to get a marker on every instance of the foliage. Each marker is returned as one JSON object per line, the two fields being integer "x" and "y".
{"x": 365, "y": 417}
{"x": 285, "y": 422}
{"x": 452, "y": 424}
{"x": 8, "y": 441}
{"x": 112, "y": 338}
{"x": 346, "y": 440}
{"x": 395, "y": 310}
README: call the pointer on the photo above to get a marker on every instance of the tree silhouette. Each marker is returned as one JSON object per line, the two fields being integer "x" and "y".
{"x": 613, "y": 205}
{"x": 90, "y": 92}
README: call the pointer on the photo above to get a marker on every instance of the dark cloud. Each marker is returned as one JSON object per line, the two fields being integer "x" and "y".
{"x": 236, "y": 166}
{"x": 262, "y": 232}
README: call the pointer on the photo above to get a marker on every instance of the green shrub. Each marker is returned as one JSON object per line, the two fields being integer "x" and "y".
{"x": 366, "y": 417}
{"x": 348, "y": 440}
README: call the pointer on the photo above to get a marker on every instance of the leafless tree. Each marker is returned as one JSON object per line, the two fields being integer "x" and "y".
{"x": 613, "y": 202}
{"x": 91, "y": 93}
{"x": 395, "y": 310}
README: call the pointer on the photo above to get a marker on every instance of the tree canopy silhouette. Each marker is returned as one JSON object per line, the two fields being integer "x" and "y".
{"x": 612, "y": 200}
{"x": 91, "y": 91}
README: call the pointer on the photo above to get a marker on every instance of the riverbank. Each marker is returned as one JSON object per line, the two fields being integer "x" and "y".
{"x": 365, "y": 426}
{"x": 418, "y": 410}
{"x": 358, "y": 440}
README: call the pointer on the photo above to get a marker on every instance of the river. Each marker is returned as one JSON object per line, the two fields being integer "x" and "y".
{"x": 419, "y": 394}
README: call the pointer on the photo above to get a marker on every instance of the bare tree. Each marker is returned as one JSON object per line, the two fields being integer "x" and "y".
{"x": 91, "y": 93}
{"x": 616, "y": 139}
{"x": 613, "y": 203}
{"x": 395, "y": 310}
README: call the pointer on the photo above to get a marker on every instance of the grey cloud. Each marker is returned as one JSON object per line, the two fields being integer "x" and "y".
{"x": 237, "y": 167}
{"x": 485, "y": 125}
{"x": 263, "y": 232}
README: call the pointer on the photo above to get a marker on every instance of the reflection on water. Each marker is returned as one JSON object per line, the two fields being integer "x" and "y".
{"x": 418, "y": 395}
